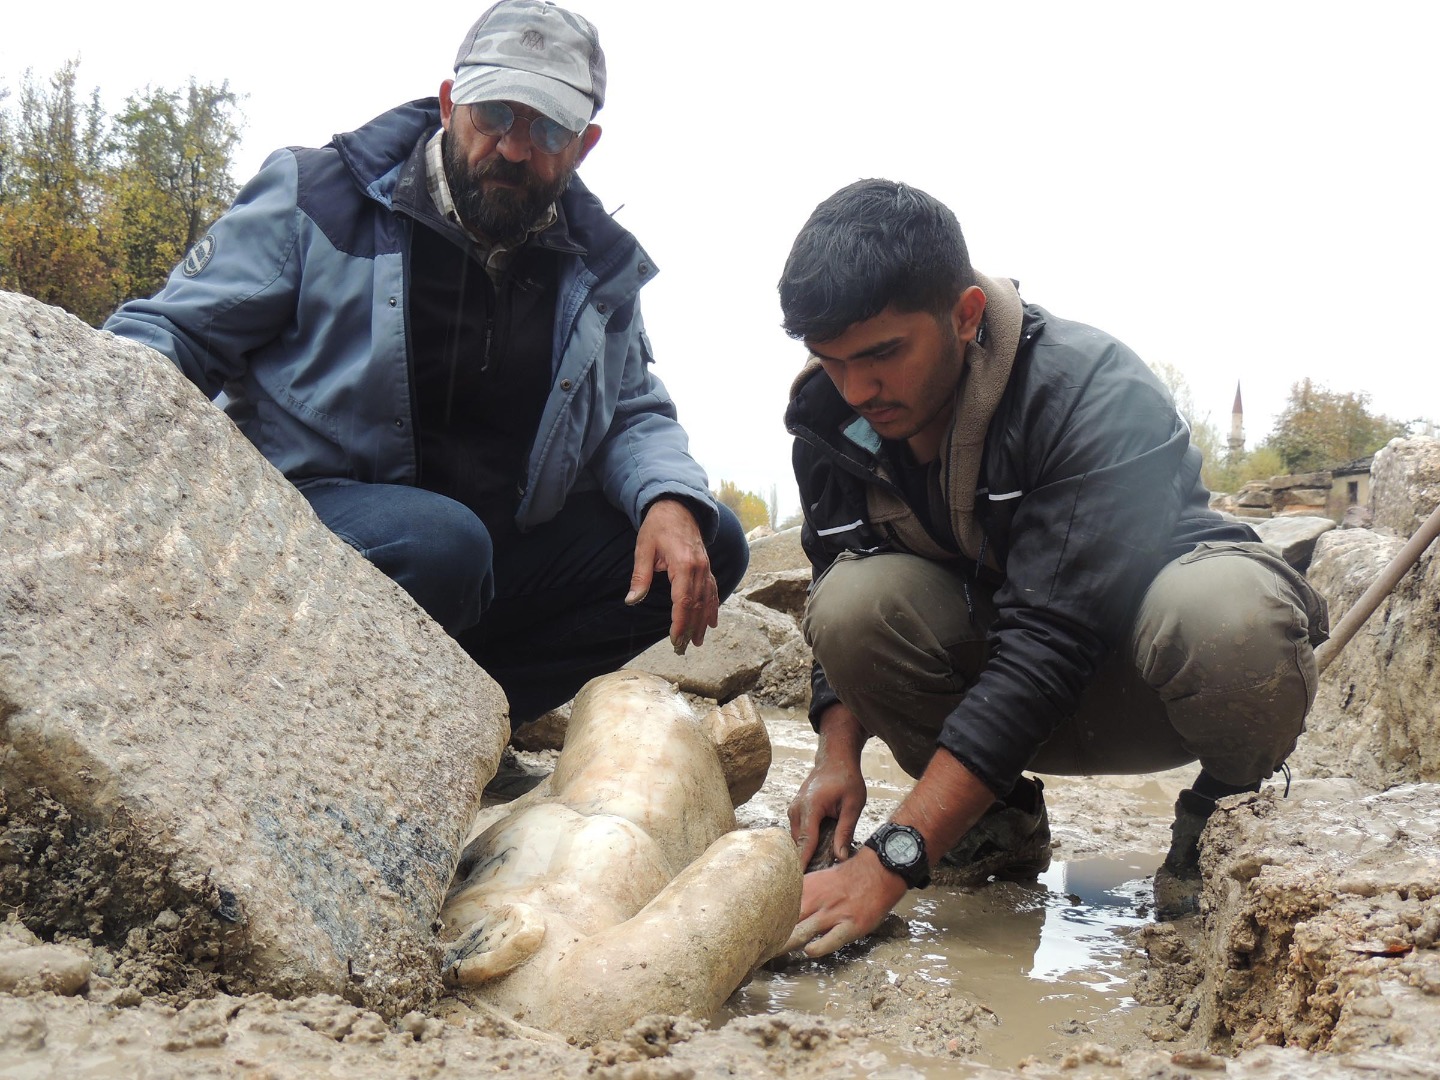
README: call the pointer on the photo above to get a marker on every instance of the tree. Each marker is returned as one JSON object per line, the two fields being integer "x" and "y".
{"x": 53, "y": 243}
{"x": 1220, "y": 469}
{"x": 89, "y": 217}
{"x": 746, "y": 505}
{"x": 4, "y": 140}
{"x": 1320, "y": 429}
{"x": 172, "y": 175}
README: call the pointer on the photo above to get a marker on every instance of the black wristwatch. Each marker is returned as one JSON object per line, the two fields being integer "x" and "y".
{"x": 902, "y": 851}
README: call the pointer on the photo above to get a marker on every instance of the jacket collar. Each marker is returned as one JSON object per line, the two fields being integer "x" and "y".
{"x": 376, "y": 153}
{"x": 818, "y": 412}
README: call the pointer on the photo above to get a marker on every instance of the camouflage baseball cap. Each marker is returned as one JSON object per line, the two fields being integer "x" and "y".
{"x": 537, "y": 54}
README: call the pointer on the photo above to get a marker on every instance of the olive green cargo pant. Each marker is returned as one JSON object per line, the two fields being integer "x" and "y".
{"x": 1217, "y": 668}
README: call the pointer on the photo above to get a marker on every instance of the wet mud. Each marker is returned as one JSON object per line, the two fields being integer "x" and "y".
{"x": 996, "y": 975}
{"x": 1066, "y": 976}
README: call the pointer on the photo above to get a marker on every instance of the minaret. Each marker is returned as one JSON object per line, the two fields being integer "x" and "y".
{"x": 1237, "y": 426}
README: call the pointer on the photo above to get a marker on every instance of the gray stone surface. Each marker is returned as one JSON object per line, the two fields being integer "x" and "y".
{"x": 1320, "y": 918}
{"x": 1405, "y": 484}
{"x": 1374, "y": 714}
{"x": 1301, "y": 480}
{"x": 1254, "y": 496}
{"x": 785, "y": 680}
{"x": 1294, "y": 536}
{"x": 730, "y": 661}
{"x": 1301, "y": 500}
{"x": 779, "y": 551}
{"x": 784, "y": 590}
{"x": 210, "y": 706}
{"x": 1356, "y": 701}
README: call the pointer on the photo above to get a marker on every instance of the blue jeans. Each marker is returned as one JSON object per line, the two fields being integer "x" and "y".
{"x": 542, "y": 612}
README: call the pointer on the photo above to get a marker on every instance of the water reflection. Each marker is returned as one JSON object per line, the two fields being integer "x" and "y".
{"x": 1086, "y": 902}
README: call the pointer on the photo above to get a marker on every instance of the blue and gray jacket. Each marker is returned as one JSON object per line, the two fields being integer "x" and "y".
{"x": 294, "y": 307}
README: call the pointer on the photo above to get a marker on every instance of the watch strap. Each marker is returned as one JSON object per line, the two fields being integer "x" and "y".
{"x": 916, "y": 875}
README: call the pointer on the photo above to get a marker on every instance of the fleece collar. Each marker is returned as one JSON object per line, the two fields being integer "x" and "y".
{"x": 988, "y": 360}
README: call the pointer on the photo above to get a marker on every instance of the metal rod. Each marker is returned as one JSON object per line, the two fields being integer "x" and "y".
{"x": 1388, "y": 578}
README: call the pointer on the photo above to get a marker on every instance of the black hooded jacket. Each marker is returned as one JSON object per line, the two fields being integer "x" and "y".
{"x": 1088, "y": 485}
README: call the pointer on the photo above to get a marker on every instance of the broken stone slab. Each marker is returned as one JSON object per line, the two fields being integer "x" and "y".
{"x": 733, "y": 656}
{"x": 785, "y": 591}
{"x": 1357, "y": 517}
{"x": 209, "y": 704}
{"x": 1320, "y": 915}
{"x": 785, "y": 680}
{"x": 1254, "y": 495}
{"x": 1301, "y": 501}
{"x": 544, "y": 733}
{"x": 1300, "y": 480}
{"x": 1294, "y": 536}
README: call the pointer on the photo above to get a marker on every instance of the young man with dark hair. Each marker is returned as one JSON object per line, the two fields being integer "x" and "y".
{"x": 433, "y": 329}
{"x": 1015, "y": 567}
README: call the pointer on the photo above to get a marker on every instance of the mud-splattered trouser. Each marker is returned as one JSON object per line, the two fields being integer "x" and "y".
{"x": 1217, "y": 668}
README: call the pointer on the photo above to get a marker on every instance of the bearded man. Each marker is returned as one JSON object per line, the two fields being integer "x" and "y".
{"x": 433, "y": 329}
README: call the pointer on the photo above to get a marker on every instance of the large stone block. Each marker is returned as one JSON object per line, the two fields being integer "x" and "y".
{"x": 1405, "y": 484}
{"x": 1320, "y": 919}
{"x": 733, "y": 656}
{"x": 786, "y": 591}
{"x": 1294, "y": 536}
{"x": 216, "y": 718}
{"x": 1374, "y": 715}
{"x": 1354, "y": 704}
{"x": 1301, "y": 480}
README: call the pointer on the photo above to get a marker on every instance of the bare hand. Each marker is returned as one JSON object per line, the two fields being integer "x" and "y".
{"x": 844, "y": 903}
{"x": 835, "y": 789}
{"x": 670, "y": 540}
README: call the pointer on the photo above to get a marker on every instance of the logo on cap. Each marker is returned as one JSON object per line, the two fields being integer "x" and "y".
{"x": 534, "y": 40}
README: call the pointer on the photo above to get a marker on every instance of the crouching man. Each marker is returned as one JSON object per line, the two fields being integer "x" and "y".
{"x": 1015, "y": 567}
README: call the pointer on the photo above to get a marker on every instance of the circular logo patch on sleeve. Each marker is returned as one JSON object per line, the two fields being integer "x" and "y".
{"x": 198, "y": 257}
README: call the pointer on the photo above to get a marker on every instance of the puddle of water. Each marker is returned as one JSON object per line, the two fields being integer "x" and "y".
{"x": 1047, "y": 958}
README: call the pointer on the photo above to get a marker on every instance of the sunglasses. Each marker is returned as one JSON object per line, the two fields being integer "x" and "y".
{"x": 494, "y": 119}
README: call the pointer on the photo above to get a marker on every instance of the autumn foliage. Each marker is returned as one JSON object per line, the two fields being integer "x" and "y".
{"x": 96, "y": 209}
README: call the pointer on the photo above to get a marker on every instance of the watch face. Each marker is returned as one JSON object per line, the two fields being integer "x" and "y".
{"x": 902, "y": 848}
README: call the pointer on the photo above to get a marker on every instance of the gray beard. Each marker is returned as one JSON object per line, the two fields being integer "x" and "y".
{"x": 503, "y": 213}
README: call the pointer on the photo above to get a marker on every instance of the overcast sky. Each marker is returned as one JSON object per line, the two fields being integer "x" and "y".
{"x": 1245, "y": 190}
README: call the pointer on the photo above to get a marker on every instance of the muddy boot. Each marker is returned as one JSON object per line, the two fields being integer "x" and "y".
{"x": 1177, "y": 882}
{"x": 1011, "y": 842}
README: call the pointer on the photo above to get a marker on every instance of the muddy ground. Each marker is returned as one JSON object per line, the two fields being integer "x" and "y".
{"x": 1044, "y": 979}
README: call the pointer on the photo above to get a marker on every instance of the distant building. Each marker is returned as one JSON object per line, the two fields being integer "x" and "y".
{"x": 1237, "y": 426}
{"x": 1349, "y": 486}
